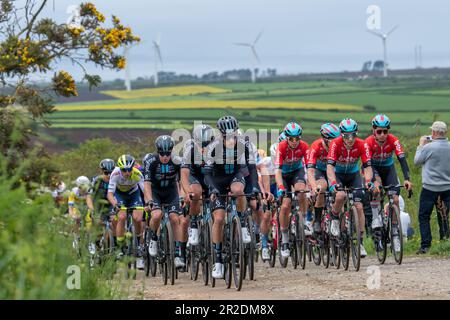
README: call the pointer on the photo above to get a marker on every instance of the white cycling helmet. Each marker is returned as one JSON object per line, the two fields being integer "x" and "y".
{"x": 82, "y": 180}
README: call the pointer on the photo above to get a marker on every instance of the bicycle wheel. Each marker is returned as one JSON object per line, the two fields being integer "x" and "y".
{"x": 237, "y": 253}
{"x": 395, "y": 226}
{"x": 325, "y": 245}
{"x": 194, "y": 262}
{"x": 273, "y": 240}
{"x": 164, "y": 247}
{"x": 227, "y": 264}
{"x": 204, "y": 252}
{"x": 344, "y": 241}
{"x": 293, "y": 232}
{"x": 381, "y": 245}
{"x": 212, "y": 254}
{"x": 355, "y": 238}
{"x": 301, "y": 244}
{"x": 132, "y": 253}
{"x": 335, "y": 258}
{"x": 171, "y": 253}
{"x": 252, "y": 255}
{"x": 106, "y": 245}
{"x": 316, "y": 253}
{"x": 283, "y": 262}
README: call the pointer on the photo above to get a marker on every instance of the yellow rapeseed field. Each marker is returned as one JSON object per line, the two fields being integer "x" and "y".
{"x": 213, "y": 104}
{"x": 163, "y": 92}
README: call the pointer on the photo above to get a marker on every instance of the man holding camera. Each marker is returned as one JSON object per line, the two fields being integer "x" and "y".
{"x": 433, "y": 154}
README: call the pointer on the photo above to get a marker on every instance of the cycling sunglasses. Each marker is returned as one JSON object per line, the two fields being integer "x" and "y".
{"x": 126, "y": 169}
{"x": 165, "y": 153}
{"x": 349, "y": 135}
{"x": 294, "y": 139}
{"x": 380, "y": 131}
{"x": 107, "y": 172}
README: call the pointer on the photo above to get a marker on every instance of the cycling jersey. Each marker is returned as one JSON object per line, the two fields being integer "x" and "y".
{"x": 125, "y": 185}
{"x": 193, "y": 159}
{"x": 289, "y": 160}
{"x": 75, "y": 197}
{"x": 382, "y": 154}
{"x": 161, "y": 175}
{"x": 100, "y": 188}
{"x": 267, "y": 167}
{"x": 230, "y": 164}
{"x": 347, "y": 160}
{"x": 317, "y": 157}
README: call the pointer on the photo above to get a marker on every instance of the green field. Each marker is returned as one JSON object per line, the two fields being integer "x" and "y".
{"x": 411, "y": 103}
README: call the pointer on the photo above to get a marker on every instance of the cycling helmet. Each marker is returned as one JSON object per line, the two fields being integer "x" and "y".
{"x": 381, "y": 121}
{"x": 107, "y": 164}
{"x": 227, "y": 124}
{"x": 293, "y": 129}
{"x": 348, "y": 126}
{"x": 126, "y": 161}
{"x": 329, "y": 131}
{"x": 282, "y": 137}
{"x": 82, "y": 181}
{"x": 164, "y": 144}
{"x": 203, "y": 134}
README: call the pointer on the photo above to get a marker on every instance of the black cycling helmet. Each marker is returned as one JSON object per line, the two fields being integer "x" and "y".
{"x": 126, "y": 161}
{"x": 107, "y": 164}
{"x": 227, "y": 124}
{"x": 203, "y": 135}
{"x": 164, "y": 144}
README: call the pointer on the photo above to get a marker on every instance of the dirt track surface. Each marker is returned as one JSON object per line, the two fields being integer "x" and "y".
{"x": 416, "y": 278}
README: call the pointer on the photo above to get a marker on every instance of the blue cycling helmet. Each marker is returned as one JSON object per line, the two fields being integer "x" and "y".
{"x": 293, "y": 129}
{"x": 348, "y": 126}
{"x": 381, "y": 121}
{"x": 329, "y": 131}
{"x": 282, "y": 137}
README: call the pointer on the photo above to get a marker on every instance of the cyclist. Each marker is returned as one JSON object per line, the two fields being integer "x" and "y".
{"x": 317, "y": 169}
{"x": 382, "y": 145}
{"x": 224, "y": 170}
{"x": 77, "y": 201}
{"x": 161, "y": 171}
{"x": 343, "y": 170}
{"x": 192, "y": 174}
{"x": 290, "y": 174}
{"x": 100, "y": 185}
{"x": 123, "y": 190}
{"x": 266, "y": 173}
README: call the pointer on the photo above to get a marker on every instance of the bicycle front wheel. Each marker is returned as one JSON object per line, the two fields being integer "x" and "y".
{"x": 395, "y": 226}
{"x": 237, "y": 253}
{"x": 355, "y": 238}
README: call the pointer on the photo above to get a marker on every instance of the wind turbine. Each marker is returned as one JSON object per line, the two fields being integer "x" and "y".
{"x": 126, "y": 54}
{"x": 157, "y": 51}
{"x": 384, "y": 37}
{"x": 255, "y": 55}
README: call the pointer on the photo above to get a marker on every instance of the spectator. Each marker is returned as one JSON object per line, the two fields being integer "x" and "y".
{"x": 433, "y": 154}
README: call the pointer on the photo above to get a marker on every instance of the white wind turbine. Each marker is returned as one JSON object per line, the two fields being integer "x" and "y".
{"x": 126, "y": 54}
{"x": 384, "y": 37}
{"x": 158, "y": 57}
{"x": 255, "y": 55}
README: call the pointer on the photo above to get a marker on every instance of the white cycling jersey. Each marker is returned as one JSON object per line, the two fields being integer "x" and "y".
{"x": 128, "y": 185}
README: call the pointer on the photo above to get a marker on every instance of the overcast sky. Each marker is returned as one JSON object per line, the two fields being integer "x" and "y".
{"x": 299, "y": 35}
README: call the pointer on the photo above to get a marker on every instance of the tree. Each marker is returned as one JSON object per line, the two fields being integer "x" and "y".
{"x": 30, "y": 45}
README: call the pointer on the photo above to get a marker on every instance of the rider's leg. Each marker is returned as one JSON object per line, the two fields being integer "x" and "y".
{"x": 217, "y": 232}
{"x": 120, "y": 231}
{"x": 237, "y": 189}
{"x": 137, "y": 221}
{"x": 194, "y": 210}
{"x": 375, "y": 205}
{"x": 284, "y": 219}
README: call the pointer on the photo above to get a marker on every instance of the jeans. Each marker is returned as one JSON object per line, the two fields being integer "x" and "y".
{"x": 427, "y": 201}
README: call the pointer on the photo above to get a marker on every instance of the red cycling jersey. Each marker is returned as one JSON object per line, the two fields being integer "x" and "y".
{"x": 382, "y": 154}
{"x": 318, "y": 154}
{"x": 346, "y": 160}
{"x": 289, "y": 159}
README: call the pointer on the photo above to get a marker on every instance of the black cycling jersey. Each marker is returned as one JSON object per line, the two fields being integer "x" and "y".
{"x": 161, "y": 175}
{"x": 193, "y": 159}
{"x": 222, "y": 162}
{"x": 99, "y": 188}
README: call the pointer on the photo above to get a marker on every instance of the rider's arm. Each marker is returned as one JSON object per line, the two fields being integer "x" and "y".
{"x": 312, "y": 178}
{"x": 90, "y": 202}
{"x": 112, "y": 188}
{"x": 147, "y": 191}
{"x": 331, "y": 174}
{"x": 185, "y": 179}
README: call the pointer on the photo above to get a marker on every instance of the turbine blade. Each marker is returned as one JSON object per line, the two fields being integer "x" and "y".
{"x": 375, "y": 33}
{"x": 243, "y": 44}
{"x": 158, "y": 41}
{"x": 256, "y": 55}
{"x": 392, "y": 30}
{"x": 257, "y": 37}
{"x": 158, "y": 53}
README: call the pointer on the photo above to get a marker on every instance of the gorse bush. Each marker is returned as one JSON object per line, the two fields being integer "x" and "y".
{"x": 36, "y": 250}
